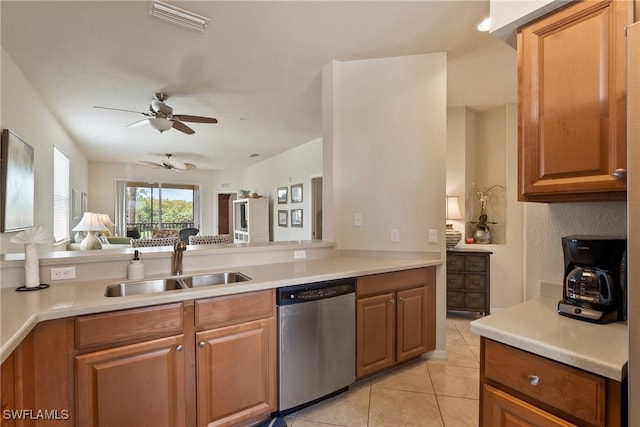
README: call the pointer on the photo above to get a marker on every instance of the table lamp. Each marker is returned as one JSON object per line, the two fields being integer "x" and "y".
{"x": 453, "y": 236}
{"x": 90, "y": 222}
{"x": 105, "y": 219}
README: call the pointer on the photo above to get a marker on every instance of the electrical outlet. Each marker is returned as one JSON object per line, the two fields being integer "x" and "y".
{"x": 395, "y": 235}
{"x": 433, "y": 236}
{"x": 299, "y": 254}
{"x": 357, "y": 219}
{"x": 63, "y": 273}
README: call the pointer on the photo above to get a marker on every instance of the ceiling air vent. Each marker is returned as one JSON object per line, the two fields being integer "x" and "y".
{"x": 177, "y": 15}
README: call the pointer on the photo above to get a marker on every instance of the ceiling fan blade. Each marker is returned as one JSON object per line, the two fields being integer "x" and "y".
{"x": 194, "y": 119}
{"x": 147, "y": 113}
{"x": 139, "y": 123}
{"x": 174, "y": 164}
{"x": 152, "y": 164}
{"x": 182, "y": 127}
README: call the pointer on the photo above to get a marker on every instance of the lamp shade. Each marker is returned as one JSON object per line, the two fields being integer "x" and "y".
{"x": 106, "y": 220}
{"x": 453, "y": 210}
{"x": 90, "y": 222}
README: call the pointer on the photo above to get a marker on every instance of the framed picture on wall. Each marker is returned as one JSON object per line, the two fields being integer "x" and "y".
{"x": 296, "y": 193}
{"x": 17, "y": 183}
{"x": 283, "y": 195}
{"x": 76, "y": 204}
{"x": 296, "y": 217}
{"x": 282, "y": 218}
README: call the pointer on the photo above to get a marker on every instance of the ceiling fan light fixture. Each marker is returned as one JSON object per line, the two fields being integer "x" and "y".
{"x": 160, "y": 124}
{"x": 177, "y": 15}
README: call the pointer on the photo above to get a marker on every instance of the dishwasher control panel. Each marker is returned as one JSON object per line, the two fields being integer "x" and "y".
{"x": 314, "y": 291}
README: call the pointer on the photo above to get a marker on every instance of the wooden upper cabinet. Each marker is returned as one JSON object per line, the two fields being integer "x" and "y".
{"x": 572, "y": 103}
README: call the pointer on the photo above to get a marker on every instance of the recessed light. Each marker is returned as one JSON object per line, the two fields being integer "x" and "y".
{"x": 485, "y": 25}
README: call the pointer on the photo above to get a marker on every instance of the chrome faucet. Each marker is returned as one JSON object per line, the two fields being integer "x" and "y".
{"x": 178, "y": 248}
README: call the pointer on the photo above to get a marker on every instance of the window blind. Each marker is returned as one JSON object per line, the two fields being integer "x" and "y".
{"x": 61, "y": 199}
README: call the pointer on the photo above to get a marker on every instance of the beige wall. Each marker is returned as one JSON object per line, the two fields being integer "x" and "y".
{"x": 24, "y": 112}
{"x": 296, "y": 166}
{"x": 482, "y": 149}
{"x": 385, "y": 150}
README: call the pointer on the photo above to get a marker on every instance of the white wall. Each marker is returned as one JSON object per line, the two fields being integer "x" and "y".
{"x": 103, "y": 175}
{"x": 547, "y": 223}
{"x": 296, "y": 166}
{"x": 483, "y": 147}
{"x": 24, "y": 112}
{"x": 385, "y": 149}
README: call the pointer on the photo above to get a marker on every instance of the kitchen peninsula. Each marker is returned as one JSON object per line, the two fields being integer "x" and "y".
{"x": 71, "y": 336}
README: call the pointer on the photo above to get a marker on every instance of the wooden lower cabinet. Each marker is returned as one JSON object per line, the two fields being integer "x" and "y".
{"x": 134, "y": 385}
{"x": 395, "y": 318}
{"x": 7, "y": 391}
{"x": 519, "y": 388}
{"x": 235, "y": 373}
{"x": 500, "y": 409}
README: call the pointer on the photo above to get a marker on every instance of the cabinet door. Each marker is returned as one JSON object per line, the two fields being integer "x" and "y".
{"x": 572, "y": 96}
{"x": 500, "y": 409}
{"x": 135, "y": 385}
{"x": 411, "y": 338}
{"x": 236, "y": 373}
{"x": 7, "y": 393}
{"x": 375, "y": 334}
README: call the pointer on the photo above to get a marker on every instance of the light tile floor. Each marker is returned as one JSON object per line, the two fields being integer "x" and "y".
{"x": 438, "y": 393}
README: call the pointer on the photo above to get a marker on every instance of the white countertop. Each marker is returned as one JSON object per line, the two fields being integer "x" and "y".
{"x": 21, "y": 311}
{"x": 536, "y": 327}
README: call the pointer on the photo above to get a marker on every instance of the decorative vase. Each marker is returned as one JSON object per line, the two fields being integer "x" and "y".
{"x": 482, "y": 234}
{"x": 453, "y": 236}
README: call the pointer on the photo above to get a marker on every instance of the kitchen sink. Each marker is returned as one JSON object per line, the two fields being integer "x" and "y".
{"x": 215, "y": 279}
{"x": 143, "y": 287}
{"x": 123, "y": 289}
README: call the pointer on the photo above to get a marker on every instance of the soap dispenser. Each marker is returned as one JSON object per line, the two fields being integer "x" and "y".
{"x": 135, "y": 269}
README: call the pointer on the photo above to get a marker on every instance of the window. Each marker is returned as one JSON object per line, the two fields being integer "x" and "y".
{"x": 61, "y": 199}
{"x": 160, "y": 206}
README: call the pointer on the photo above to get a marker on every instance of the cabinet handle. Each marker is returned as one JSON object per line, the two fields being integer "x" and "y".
{"x": 391, "y": 301}
{"x": 620, "y": 173}
{"x": 179, "y": 347}
{"x": 534, "y": 380}
{"x": 202, "y": 344}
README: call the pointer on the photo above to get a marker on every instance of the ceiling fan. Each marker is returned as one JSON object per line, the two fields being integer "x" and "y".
{"x": 170, "y": 163}
{"x": 160, "y": 116}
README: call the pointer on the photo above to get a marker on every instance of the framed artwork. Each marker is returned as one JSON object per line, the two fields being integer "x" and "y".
{"x": 282, "y": 218}
{"x": 17, "y": 183}
{"x": 283, "y": 195}
{"x": 296, "y": 217}
{"x": 76, "y": 204}
{"x": 296, "y": 193}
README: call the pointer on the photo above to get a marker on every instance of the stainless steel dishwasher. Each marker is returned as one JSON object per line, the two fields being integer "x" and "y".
{"x": 317, "y": 354}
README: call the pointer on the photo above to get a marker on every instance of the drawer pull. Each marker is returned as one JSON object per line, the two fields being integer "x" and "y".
{"x": 534, "y": 380}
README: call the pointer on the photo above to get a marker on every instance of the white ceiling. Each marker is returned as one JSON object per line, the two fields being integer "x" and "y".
{"x": 257, "y": 68}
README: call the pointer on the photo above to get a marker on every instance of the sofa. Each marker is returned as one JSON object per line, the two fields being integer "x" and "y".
{"x": 112, "y": 242}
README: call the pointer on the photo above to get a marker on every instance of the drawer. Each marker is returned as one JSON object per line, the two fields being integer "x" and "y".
{"x": 455, "y": 262}
{"x": 475, "y": 264}
{"x": 475, "y": 282}
{"x": 568, "y": 389}
{"x": 455, "y": 281}
{"x": 128, "y": 325}
{"x": 455, "y": 299}
{"x": 232, "y": 309}
{"x": 394, "y": 281}
{"x": 475, "y": 300}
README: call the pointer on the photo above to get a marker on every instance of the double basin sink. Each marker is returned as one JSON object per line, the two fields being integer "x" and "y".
{"x": 123, "y": 289}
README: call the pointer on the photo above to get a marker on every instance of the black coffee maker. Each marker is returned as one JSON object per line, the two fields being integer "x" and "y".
{"x": 595, "y": 283}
